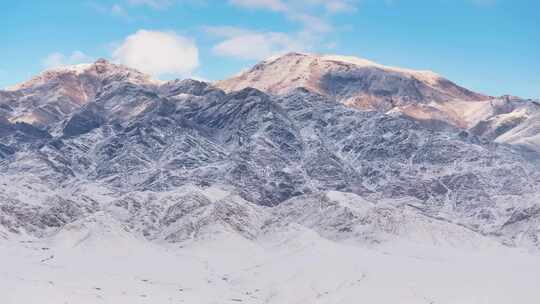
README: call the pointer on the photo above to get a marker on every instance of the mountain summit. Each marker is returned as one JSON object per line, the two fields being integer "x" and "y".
{"x": 50, "y": 96}
{"x": 364, "y": 85}
{"x": 353, "y": 81}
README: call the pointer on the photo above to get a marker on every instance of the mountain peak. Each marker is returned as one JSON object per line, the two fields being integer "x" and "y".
{"x": 100, "y": 69}
{"x": 57, "y": 92}
{"x": 305, "y": 65}
{"x": 289, "y": 54}
{"x": 352, "y": 60}
{"x": 355, "y": 82}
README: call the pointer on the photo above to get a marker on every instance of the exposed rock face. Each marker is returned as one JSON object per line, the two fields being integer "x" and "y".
{"x": 130, "y": 148}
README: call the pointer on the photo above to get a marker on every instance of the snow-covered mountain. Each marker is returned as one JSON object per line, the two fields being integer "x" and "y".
{"x": 130, "y": 133}
{"x": 102, "y": 156}
{"x": 50, "y": 96}
{"x": 354, "y": 81}
{"x": 422, "y": 95}
{"x": 361, "y": 84}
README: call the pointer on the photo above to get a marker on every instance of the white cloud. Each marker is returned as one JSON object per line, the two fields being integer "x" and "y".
{"x": 252, "y": 45}
{"x": 58, "y": 59}
{"x": 118, "y": 10}
{"x": 158, "y": 53}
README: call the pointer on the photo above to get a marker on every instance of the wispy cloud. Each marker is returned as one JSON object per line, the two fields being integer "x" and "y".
{"x": 253, "y": 45}
{"x": 308, "y": 14}
{"x": 116, "y": 10}
{"x": 330, "y": 6}
{"x": 57, "y": 59}
{"x": 313, "y": 16}
{"x": 162, "y": 4}
{"x": 119, "y": 10}
{"x": 338, "y": 6}
{"x": 275, "y": 5}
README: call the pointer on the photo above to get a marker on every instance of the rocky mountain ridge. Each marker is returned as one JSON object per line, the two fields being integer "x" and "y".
{"x": 105, "y": 138}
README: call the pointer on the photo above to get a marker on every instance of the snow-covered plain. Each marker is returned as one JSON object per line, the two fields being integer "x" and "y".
{"x": 102, "y": 263}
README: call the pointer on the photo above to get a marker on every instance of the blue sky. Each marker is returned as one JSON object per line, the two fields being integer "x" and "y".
{"x": 491, "y": 46}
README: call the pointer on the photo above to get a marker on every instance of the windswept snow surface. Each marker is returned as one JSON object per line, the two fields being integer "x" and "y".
{"x": 104, "y": 265}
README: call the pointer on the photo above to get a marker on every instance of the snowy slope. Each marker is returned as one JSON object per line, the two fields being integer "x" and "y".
{"x": 297, "y": 266}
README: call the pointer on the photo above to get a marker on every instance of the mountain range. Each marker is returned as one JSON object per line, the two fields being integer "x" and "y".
{"x": 341, "y": 148}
